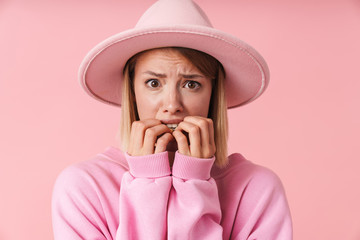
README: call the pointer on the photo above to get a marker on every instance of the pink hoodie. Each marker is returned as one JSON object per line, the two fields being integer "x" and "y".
{"x": 117, "y": 196}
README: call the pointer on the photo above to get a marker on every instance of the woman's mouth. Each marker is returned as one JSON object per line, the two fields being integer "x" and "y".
{"x": 172, "y": 126}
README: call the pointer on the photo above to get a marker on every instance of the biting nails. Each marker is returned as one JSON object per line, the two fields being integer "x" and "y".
{"x": 172, "y": 126}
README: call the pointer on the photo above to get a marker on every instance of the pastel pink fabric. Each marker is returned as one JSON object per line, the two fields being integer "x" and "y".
{"x": 174, "y": 23}
{"x": 117, "y": 196}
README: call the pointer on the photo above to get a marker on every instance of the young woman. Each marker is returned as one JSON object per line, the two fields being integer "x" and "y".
{"x": 174, "y": 77}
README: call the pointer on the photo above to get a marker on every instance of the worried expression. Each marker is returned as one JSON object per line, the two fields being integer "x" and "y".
{"x": 168, "y": 87}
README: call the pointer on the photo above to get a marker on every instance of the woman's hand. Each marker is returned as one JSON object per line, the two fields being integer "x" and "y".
{"x": 148, "y": 137}
{"x": 201, "y": 137}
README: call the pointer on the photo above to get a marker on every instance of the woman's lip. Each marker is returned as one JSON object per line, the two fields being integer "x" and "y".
{"x": 171, "y": 121}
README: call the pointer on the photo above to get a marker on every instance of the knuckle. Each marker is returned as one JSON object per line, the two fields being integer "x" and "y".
{"x": 181, "y": 137}
{"x": 150, "y": 132}
{"x": 160, "y": 142}
{"x": 194, "y": 130}
{"x": 203, "y": 123}
{"x": 138, "y": 125}
{"x": 133, "y": 125}
{"x": 141, "y": 125}
{"x": 167, "y": 136}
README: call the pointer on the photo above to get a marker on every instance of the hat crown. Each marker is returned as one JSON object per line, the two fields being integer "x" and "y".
{"x": 174, "y": 12}
{"x": 179, "y": 23}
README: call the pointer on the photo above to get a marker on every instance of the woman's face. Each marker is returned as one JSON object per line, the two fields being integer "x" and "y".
{"x": 168, "y": 87}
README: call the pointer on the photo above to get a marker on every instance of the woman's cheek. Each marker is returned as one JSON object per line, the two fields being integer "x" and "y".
{"x": 147, "y": 105}
{"x": 198, "y": 106}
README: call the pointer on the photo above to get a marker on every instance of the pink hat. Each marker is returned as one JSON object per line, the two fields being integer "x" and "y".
{"x": 174, "y": 23}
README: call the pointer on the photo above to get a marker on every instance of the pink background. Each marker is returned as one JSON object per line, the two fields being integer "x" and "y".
{"x": 305, "y": 127}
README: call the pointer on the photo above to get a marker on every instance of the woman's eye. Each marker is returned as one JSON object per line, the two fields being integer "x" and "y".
{"x": 153, "y": 83}
{"x": 192, "y": 85}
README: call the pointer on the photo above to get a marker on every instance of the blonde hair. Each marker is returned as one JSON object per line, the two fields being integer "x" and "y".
{"x": 208, "y": 66}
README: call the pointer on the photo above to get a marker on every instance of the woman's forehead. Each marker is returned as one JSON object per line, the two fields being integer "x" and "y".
{"x": 162, "y": 59}
{"x": 165, "y": 54}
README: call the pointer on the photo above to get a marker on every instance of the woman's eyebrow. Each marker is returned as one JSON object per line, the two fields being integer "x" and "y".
{"x": 191, "y": 76}
{"x": 159, "y": 75}
{"x": 162, "y": 75}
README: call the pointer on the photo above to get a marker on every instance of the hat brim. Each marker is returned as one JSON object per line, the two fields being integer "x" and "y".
{"x": 247, "y": 74}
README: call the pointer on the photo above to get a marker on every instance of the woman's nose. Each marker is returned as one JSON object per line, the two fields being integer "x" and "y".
{"x": 172, "y": 102}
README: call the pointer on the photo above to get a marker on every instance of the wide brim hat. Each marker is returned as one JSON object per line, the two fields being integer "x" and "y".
{"x": 174, "y": 23}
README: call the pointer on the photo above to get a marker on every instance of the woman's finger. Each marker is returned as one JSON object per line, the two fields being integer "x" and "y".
{"x": 194, "y": 137}
{"x": 162, "y": 142}
{"x": 137, "y": 133}
{"x": 205, "y": 127}
{"x": 150, "y": 137}
{"x": 182, "y": 142}
{"x": 211, "y": 131}
{"x": 207, "y": 142}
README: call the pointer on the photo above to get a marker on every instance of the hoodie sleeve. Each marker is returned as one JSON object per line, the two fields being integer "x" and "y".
{"x": 194, "y": 208}
{"x": 95, "y": 203}
{"x": 144, "y": 197}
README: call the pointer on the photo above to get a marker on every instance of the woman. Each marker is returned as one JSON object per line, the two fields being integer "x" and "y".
{"x": 173, "y": 179}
